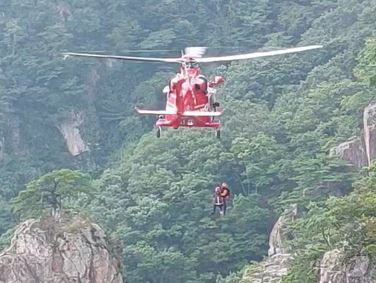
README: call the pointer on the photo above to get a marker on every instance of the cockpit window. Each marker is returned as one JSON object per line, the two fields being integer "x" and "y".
{"x": 190, "y": 65}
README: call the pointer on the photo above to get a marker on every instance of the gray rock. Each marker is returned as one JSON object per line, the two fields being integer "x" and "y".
{"x": 277, "y": 236}
{"x": 2, "y": 143}
{"x": 67, "y": 251}
{"x": 271, "y": 270}
{"x": 353, "y": 151}
{"x": 71, "y": 133}
{"x": 360, "y": 151}
{"x": 335, "y": 268}
{"x": 276, "y": 265}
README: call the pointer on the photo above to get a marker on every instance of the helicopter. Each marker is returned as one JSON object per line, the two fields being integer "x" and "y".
{"x": 190, "y": 96}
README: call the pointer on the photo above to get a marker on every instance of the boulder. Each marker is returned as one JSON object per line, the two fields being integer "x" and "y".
{"x": 335, "y": 268}
{"x": 74, "y": 250}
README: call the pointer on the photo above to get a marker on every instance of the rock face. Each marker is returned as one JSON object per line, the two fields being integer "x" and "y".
{"x": 269, "y": 271}
{"x": 334, "y": 268}
{"x": 360, "y": 151}
{"x": 275, "y": 266}
{"x": 369, "y": 124}
{"x": 71, "y": 133}
{"x": 352, "y": 151}
{"x": 277, "y": 236}
{"x": 47, "y": 251}
{"x": 2, "y": 140}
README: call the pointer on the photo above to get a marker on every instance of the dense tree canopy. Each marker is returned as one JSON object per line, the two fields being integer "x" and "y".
{"x": 53, "y": 192}
{"x": 283, "y": 115}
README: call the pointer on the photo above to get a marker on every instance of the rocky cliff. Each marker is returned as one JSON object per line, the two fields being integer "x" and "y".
{"x": 336, "y": 268}
{"x": 66, "y": 251}
{"x": 275, "y": 266}
{"x": 71, "y": 133}
{"x": 2, "y": 139}
{"x": 360, "y": 151}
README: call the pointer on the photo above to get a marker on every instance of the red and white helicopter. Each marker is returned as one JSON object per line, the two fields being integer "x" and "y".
{"x": 190, "y": 96}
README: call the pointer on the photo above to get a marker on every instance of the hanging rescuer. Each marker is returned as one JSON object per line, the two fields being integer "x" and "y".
{"x": 225, "y": 194}
{"x": 221, "y": 197}
{"x": 218, "y": 201}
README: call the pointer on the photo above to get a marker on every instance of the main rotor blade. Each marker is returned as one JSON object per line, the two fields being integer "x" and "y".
{"x": 256, "y": 54}
{"x": 117, "y": 57}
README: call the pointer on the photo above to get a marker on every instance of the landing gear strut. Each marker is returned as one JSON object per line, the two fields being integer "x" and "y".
{"x": 218, "y": 134}
{"x": 159, "y": 132}
{"x": 215, "y": 105}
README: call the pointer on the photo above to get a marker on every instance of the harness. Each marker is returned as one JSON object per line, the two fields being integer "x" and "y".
{"x": 218, "y": 200}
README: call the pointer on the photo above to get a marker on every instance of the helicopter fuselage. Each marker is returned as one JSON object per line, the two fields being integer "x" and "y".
{"x": 188, "y": 98}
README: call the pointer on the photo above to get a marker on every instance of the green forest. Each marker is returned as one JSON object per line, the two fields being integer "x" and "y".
{"x": 283, "y": 116}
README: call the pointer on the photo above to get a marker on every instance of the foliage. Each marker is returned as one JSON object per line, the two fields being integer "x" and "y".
{"x": 346, "y": 223}
{"x": 6, "y": 218}
{"x": 5, "y": 239}
{"x": 367, "y": 62}
{"x": 283, "y": 116}
{"x": 158, "y": 202}
{"x": 53, "y": 192}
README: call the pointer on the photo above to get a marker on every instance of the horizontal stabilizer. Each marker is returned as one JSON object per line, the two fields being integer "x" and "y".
{"x": 154, "y": 112}
{"x": 202, "y": 113}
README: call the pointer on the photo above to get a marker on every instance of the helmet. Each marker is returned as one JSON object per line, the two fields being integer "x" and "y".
{"x": 224, "y": 185}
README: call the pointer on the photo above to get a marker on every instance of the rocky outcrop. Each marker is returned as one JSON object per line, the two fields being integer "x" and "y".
{"x": 2, "y": 141}
{"x": 66, "y": 251}
{"x": 275, "y": 266}
{"x": 277, "y": 238}
{"x": 369, "y": 136}
{"x": 360, "y": 151}
{"x": 335, "y": 268}
{"x": 71, "y": 133}
{"x": 352, "y": 151}
{"x": 270, "y": 270}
